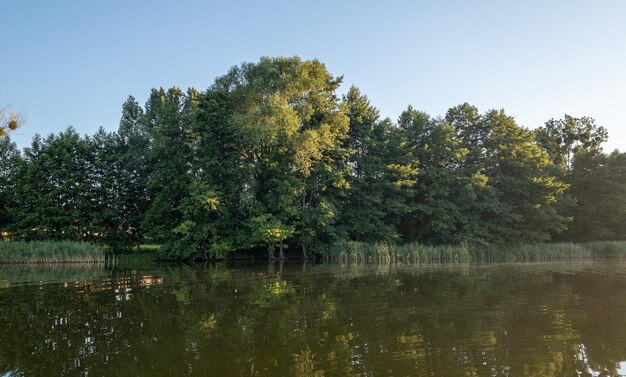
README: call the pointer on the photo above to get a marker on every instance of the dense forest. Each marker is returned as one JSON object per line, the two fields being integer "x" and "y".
{"x": 271, "y": 156}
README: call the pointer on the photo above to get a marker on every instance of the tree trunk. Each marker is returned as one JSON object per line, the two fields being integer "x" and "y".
{"x": 304, "y": 253}
{"x": 281, "y": 254}
{"x": 270, "y": 251}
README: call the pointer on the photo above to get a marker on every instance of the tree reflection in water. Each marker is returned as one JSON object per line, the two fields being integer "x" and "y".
{"x": 554, "y": 319}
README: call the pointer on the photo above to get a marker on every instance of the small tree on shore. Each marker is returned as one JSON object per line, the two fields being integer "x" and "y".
{"x": 272, "y": 232}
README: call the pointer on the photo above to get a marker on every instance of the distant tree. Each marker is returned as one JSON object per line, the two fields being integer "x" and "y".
{"x": 76, "y": 188}
{"x": 599, "y": 185}
{"x": 372, "y": 204}
{"x": 10, "y": 159}
{"x": 436, "y": 210}
{"x": 168, "y": 160}
{"x": 563, "y": 138}
{"x": 519, "y": 172}
{"x": 133, "y": 143}
{"x": 55, "y": 188}
{"x": 114, "y": 196}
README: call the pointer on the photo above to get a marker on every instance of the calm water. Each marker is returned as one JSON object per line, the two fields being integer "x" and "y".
{"x": 548, "y": 319}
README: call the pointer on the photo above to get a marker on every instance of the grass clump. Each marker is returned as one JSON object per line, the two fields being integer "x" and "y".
{"x": 51, "y": 252}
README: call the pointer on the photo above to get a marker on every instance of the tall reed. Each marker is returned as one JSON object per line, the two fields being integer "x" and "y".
{"x": 360, "y": 252}
{"x": 51, "y": 252}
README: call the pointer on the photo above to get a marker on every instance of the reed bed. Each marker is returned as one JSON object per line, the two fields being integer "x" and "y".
{"x": 360, "y": 252}
{"x": 51, "y": 252}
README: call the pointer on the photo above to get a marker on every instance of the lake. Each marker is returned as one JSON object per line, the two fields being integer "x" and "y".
{"x": 295, "y": 319}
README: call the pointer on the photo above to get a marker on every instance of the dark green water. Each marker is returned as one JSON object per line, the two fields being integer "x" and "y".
{"x": 544, "y": 319}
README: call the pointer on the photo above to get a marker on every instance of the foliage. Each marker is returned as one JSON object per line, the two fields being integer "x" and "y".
{"x": 599, "y": 186}
{"x": 379, "y": 176}
{"x": 55, "y": 189}
{"x": 271, "y": 156}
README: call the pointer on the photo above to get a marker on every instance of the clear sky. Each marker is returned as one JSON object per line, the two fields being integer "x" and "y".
{"x": 75, "y": 62}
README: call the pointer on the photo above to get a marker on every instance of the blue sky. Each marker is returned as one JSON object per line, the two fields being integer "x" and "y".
{"x": 75, "y": 62}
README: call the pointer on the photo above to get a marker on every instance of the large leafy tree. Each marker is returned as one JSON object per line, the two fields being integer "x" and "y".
{"x": 220, "y": 202}
{"x": 476, "y": 196}
{"x": 452, "y": 200}
{"x": 575, "y": 148}
{"x": 290, "y": 125}
{"x": 518, "y": 170}
{"x": 434, "y": 216}
{"x": 169, "y": 155}
{"x": 373, "y": 203}
{"x": 131, "y": 163}
{"x": 285, "y": 124}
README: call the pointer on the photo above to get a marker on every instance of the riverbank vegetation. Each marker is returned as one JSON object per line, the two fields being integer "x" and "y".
{"x": 271, "y": 157}
{"x": 51, "y": 252}
{"x": 359, "y": 252}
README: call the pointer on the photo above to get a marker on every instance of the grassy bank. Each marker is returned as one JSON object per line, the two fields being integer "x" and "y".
{"x": 50, "y": 252}
{"x": 344, "y": 252}
{"x": 359, "y": 252}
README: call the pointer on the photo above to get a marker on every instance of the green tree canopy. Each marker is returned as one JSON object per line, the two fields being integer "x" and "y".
{"x": 272, "y": 156}
{"x": 563, "y": 138}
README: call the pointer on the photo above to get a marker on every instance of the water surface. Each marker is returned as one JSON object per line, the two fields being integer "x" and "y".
{"x": 542, "y": 319}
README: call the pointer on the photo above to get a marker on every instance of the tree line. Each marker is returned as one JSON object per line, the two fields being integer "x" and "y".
{"x": 270, "y": 156}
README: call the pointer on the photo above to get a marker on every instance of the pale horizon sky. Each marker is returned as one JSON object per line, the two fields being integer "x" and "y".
{"x": 75, "y": 62}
